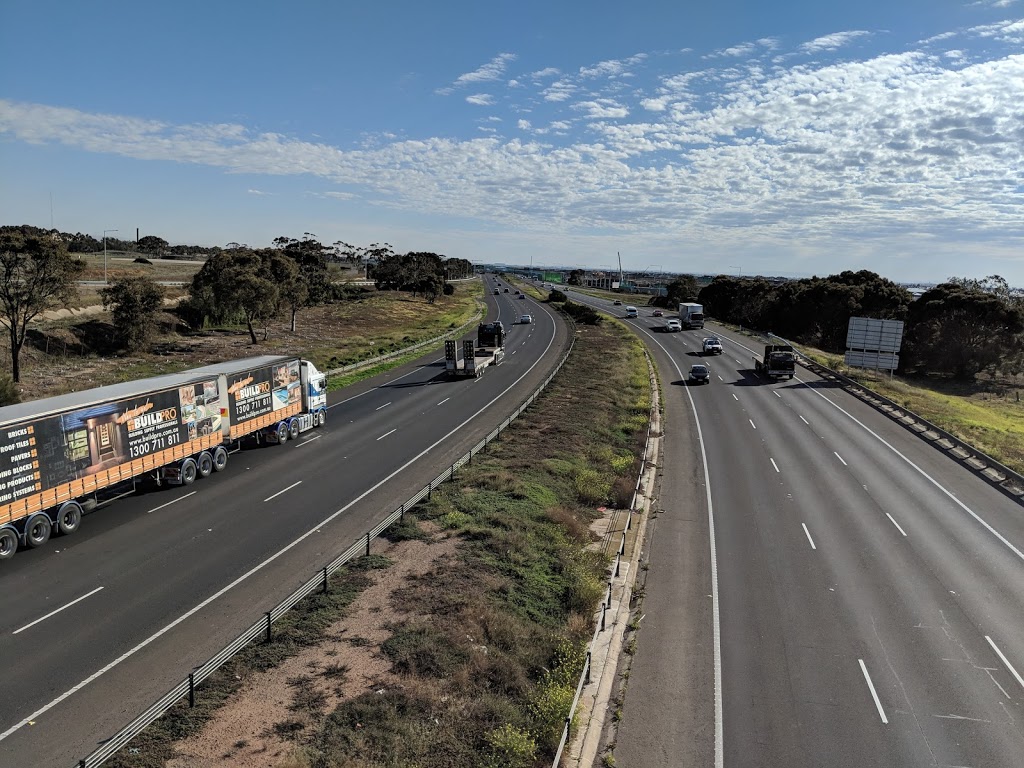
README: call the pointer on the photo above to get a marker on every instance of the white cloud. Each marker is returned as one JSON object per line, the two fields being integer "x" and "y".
{"x": 992, "y": 3}
{"x": 523, "y": 125}
{"x": 560, "y": 90}
{"x": 546, "y": 72}
{"x": 601, "y": 109}
{"x": 832, "y": 42}
{"x": 655, "y": 105}
{"x": 480, "y": 99}
{"x": 492, "y": 70}
{"x": 258, "y": 192}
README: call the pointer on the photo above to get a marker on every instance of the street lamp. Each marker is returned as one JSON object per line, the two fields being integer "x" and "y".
{"x": 739, "y": 270}
{"x": 105, "y": 253}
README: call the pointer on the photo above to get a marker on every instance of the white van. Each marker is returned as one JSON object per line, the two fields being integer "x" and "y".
{"x": 631, "y": 312}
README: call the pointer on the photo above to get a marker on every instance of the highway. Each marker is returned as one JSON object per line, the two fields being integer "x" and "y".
{"x": 824, "y": 587}
{"x": 98, "y": 625}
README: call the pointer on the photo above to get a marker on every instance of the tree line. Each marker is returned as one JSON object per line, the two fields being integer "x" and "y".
{"x": 959, "y": 328}
{"x": 236, "y": 285}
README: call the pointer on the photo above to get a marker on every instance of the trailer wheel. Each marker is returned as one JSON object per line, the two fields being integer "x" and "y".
{"x": 205, "y": 464}
{"x": 8, "y": 543}
{"x": 38, "y": 530}
{"x": 189, "y": 471}
{"x": 220, "y": 458}
{"x": 293, "y": 429}
{"x": 282, "y": 433}
{"x": 69, "y": 518}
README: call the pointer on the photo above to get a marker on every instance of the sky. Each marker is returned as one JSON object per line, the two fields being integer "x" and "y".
{"x": 792, "y": 137}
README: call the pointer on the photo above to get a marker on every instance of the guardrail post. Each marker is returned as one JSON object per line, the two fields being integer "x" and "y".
{"x": 191, "y": 690}
{"x": 267, "y": 614}
{"x": 430, "y": 491}
{"x": 401, "y": 513}
{"x": 622, "y": 546}
{"x": 367, "y": 542}
{"x": 617, "y": 561}
{"x": 629, "y": 520}
{"x": 587, "y": 669}
{"x": 325, "y": 581}
{"x": 604, "y": 610}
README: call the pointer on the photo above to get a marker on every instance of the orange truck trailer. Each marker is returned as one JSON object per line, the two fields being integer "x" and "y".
{"x": 63, "y": 456}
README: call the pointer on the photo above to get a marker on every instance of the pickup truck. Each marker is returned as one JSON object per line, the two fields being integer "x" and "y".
{"x": 711, "y": 346}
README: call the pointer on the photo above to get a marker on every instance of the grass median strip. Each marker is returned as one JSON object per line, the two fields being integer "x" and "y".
{"x": 474, "y": 653}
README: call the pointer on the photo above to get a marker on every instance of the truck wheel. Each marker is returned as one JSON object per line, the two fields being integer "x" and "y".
{"x": 282, "y": 433}
{"x": 220, "y": 458}
{"x": 69, "y": 518}
{"x": 321, "y": 418}
{"x": 38, "y": 530}
{"x": 189, "y": 472}
{"x": 205, "y": 464}
{"x": 293, "y": 429}
{"x": 8, "y": 543}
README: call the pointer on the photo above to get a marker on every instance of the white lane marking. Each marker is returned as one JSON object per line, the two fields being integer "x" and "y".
{"x": 738, "y": 361}
{"x": 382, "y": 406}
{"x": 734, "y": 396}
{"x": 174, "y": 501}
{"x": 775, "y": 392}
{"x": 309, "y": 440}
{"x": 805, "y": 421}
{"x": 1005, "y": 661}
{"x": 417, "y": 369}
{"x": 841, "y": 459}
{"x": 283, "y": 490}
{"x": 444, "y": 401}
{"x": 720, "y": 378}
{"x": 387, "y": 433}
{"x": 808, "y": 533}
{"x": 774, "y": 464}
{"x": 878, "y": 704}
{"x": 920, "y": 471}
{"x": 53, "y": 613}
{"x": 752, "y": 423}
{"x": 316, "y": 529}
{"x": 893, "y": 521}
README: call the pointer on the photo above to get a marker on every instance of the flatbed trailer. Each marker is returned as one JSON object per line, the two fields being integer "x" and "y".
{"x": 487, "y": 350}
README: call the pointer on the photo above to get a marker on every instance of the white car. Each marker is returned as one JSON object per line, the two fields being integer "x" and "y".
{"x": 673, "y": 325}
{"x": 712, "y": 346}
{"x": 526, "y": 319}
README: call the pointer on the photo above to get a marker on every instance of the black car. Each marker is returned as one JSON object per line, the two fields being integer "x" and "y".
{"x": 699, "y": 374}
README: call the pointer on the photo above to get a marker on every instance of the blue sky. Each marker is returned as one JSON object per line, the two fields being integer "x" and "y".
{"x": 751, "y": 137}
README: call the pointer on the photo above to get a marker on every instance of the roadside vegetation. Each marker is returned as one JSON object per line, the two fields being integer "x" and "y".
{"x": 486, "y": 644}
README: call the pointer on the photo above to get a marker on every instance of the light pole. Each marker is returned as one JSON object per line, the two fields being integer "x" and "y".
{"x": 739, "y": 270}
{"x": 105, "y": 253}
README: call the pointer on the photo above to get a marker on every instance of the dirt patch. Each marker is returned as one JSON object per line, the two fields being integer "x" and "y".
{"x": 264, "y": 722}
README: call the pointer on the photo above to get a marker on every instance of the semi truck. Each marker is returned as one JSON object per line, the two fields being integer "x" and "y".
{"x": 691, "y": 315}
{"x": 66, "y": 455}
{"x": 488, "y": 349}
{"x": 779, "y": 361}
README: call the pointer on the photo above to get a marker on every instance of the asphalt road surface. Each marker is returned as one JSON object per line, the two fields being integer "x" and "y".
{"x": 97, "y": 626}
{"x": 861, "y": 600}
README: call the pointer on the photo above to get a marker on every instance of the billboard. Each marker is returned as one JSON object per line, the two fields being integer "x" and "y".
{"x": 873, "y": 343}
{"x": 71, "y": 453}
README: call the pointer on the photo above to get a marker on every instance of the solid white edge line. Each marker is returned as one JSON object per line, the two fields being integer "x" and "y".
{"x": 1005, "y": 661}
{"x": 283, "y": 490}
{"x": 173, "y": 501}
{"x": 840, "y": 458}
{"x": 874, "y": 695}
{"x": 808, "y": 534}
{"x": 920, "y": 471}
{"x": 893, "y": 521}
{"x": 392, "y": 431}
{"x": 774, "y": 464}
{"x": 315, "y": 529}
{"x": 52, "y": 613}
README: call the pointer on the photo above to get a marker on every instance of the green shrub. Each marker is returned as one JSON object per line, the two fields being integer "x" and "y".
{"x": 511, "y": 747}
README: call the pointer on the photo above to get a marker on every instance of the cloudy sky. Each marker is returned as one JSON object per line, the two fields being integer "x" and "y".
{"x": 792, "y": 137}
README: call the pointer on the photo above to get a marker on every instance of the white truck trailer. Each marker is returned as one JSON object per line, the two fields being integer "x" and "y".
{"x": 691, "y": 315}
{"x": 63, "y": 456}
{"x": 488, "y": 349}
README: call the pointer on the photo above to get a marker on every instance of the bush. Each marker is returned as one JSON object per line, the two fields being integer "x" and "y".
{"x": 142, "y": 260}
{"x": 8, "y": 391}
{"x": 511, "y": 747}
{"x": 581, "y": 313}
{"x": 557, "y": 296}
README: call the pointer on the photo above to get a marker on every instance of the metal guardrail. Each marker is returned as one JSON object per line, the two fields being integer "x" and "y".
{"x": 320, "y": 581}
{"x": 606, "y": 604}
{"x": 1005, "y": 479}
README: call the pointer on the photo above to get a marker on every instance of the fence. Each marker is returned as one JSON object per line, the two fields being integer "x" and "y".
{"x": 320, "y": 581}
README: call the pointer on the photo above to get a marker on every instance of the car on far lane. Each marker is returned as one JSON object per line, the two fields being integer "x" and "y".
{"x": 657, "y": 313}
{"x": 699, "y": 374}
{"x": 617, "y": 303}
{"x": 521, "y": 296}
{"x": 506, "y": 290}
{"x": 526, "y": 319}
